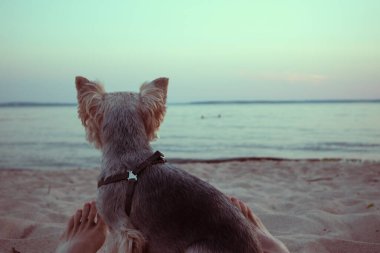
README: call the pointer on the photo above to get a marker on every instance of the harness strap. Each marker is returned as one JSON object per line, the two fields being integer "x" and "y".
{"x": 131, "y": 176}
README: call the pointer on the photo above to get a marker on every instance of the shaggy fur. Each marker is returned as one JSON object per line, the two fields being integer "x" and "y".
{"x": 172, "y": 211}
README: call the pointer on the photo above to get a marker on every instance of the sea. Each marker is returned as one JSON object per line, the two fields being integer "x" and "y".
{"x": 45, "y": 136}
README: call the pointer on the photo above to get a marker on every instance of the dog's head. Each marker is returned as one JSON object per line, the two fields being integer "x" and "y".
{"x": 108, "y": 116}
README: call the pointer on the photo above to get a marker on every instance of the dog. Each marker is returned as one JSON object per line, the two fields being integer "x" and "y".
{"x": 169, "y": 210}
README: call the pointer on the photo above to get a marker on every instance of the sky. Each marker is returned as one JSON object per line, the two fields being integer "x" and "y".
{"x": 210, "y": 50}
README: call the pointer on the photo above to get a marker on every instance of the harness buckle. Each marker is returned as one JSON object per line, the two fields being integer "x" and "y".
{"x": 131, "y": 176}
{"x": 161, "y": 157}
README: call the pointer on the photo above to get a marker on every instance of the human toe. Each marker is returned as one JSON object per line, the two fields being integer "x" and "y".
{"x": 234, "y": 201}
{"x": 243, "y": 208}
{"x": 77, "y": 220}
{"x": 92, "y": 212}
{"x": 85, "y": 213}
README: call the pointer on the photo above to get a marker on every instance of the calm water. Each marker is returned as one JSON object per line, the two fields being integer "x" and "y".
{"x": 51, "y": 137}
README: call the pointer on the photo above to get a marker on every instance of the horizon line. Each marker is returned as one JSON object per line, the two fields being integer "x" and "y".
{"x": 208, "y": 102}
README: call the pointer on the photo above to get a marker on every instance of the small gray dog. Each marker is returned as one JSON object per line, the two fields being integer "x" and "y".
{"x": 158, "y": 208}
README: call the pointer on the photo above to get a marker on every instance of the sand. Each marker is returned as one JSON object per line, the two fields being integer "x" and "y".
{"x": 312, "y": 206}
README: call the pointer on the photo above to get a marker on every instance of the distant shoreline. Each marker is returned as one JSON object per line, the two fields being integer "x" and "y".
{"x": 35, "y": 104}
{"x": 211, "y": 102}
{"x": 328, "y": 101}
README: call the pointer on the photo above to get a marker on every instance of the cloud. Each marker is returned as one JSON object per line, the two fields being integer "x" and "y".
{"x": 313, "y": 78}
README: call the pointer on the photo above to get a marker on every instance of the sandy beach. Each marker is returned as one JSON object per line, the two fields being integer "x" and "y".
{"x": 312, "y": 206}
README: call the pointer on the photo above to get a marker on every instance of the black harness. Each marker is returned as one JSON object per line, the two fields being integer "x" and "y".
{"x": 131, "y": 177}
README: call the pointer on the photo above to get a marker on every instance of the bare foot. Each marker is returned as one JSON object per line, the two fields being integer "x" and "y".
{"x": 249, "y": 214}
{"x": 268, "y": 242}
{"x": 85, "y": 232}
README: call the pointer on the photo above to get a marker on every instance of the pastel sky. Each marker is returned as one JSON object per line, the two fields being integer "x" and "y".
{"x": 210, "y": 50}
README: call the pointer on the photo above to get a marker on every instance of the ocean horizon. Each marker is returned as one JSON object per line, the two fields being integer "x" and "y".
{"x": 207, "y": 102}
{"x": 45, "y": 135}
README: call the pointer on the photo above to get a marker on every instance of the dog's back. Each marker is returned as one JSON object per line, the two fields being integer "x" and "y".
{"x": 178, "y": 212}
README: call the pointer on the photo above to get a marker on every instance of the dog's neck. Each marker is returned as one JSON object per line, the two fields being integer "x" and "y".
{"x": 122, "y": 153}
{"x": 124, "y": 142}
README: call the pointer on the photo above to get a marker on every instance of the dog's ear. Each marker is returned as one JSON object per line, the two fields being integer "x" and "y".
{"x": 90, "y": 99}
{"x": 153, "y": 104}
